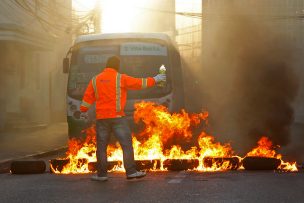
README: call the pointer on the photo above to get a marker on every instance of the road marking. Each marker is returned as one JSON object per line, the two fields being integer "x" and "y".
{"x": 175, "y": 181}
{"x": 178, "y": 178}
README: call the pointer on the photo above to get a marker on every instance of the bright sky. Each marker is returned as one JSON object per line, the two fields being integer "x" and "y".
{"x": 194, "y": 6}
{"x": 121, "y": 18}
{"x": 120, "y": 15}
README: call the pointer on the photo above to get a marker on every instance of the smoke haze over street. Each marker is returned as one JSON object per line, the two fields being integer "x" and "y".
{"x": 248, "y": 81}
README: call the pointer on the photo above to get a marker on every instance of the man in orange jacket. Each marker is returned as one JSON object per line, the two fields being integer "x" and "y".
{"x": 109, "y": 90}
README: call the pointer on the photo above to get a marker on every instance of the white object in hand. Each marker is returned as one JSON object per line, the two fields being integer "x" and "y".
{"x": 162, "y": 69}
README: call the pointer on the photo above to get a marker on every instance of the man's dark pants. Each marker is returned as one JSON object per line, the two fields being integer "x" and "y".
{"x": 121, "y": 130}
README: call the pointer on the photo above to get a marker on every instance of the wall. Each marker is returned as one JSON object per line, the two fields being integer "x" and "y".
{"x": 32, "y": 48}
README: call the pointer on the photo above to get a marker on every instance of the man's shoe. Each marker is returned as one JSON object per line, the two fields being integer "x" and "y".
{"x": 99, "y": 178}
{"x": 138, "y": 174}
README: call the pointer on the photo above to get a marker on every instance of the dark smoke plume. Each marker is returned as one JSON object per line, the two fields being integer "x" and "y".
{"x": 248, "y": 77}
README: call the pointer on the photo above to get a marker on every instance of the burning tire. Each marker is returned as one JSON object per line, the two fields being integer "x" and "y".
{"x": 261, "y": 163}
{"x": 92, "y": 166}
{"x": 181, "y": 164}
{"x": 232, "y": 163}
{"x": 111, "y": 165}
{"x": 140, "y": 165}
{"x": 28, "y": 167}
{"x": 58, "y": 164}
{"x": 147, "y": 164}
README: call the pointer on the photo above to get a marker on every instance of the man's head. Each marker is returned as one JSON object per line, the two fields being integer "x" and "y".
{"x": 113, "y": 62}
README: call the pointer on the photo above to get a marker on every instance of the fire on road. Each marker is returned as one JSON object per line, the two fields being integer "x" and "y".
{"x": 160, "y": 129}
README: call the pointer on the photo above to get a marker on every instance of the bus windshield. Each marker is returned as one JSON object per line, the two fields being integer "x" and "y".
{"x": 138, "y": 59}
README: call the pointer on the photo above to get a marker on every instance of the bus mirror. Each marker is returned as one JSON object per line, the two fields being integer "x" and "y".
{"x": 66, "y": 65}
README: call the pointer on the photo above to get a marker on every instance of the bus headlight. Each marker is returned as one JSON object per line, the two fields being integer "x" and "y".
{"x": 73, "y": 107}
{"x": 76, "y": 114}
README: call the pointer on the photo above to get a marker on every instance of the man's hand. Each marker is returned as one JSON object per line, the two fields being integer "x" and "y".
{"x": 160, "y": 78}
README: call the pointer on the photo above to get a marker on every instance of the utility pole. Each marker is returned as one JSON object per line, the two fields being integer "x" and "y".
{"x": 203, "y": 27}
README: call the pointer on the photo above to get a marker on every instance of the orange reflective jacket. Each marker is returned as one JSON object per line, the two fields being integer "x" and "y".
{"x": 109, "y": 90}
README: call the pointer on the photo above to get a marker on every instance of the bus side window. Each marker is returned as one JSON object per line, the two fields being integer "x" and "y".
{"x": 74, "y": 57}
{"x": 177, "y": 75}
{"x": 177, "y": 80}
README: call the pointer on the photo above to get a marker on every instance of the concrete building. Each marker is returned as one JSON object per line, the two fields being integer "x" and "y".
{"x": 34, "y": 37}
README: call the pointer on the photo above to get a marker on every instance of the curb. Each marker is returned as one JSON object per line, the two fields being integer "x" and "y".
{"x": 27, "y": 128}
{"x": 6, "y": 164}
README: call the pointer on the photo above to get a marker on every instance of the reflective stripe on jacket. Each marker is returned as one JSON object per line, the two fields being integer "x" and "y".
{"x": 109, "y": 90}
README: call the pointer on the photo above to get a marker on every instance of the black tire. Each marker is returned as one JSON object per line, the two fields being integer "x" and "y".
{"x": 28, "y": 167}
{"x": 147, "y": 164}
{"x": 234, "y": 162}
{"x": 181, "y": 164}
{"x": 57, "y": 164}
{"x": 261, "y": 163}
{"x": 140, "y": 165}
{"x": 92, "y": 166}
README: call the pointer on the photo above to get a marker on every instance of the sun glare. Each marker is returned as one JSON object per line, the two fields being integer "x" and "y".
{"x": 116, "y": 15}
{"x": 84, "y": 5}
{"x": 119, "y": 15}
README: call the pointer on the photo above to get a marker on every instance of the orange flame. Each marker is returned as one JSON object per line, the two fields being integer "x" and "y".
{"x": 210, "y": 148}
{"x": 265, "y": 148}
{"x": 159, "y": 121}
{"x": 160, "y": 129}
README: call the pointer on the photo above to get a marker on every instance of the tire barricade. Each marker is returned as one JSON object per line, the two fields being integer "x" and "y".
{"x": 28, "y": 167}
{"x": 261, "y": 163}
{"x": 234, "y": 163}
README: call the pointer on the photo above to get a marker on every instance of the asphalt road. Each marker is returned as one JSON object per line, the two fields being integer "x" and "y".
{"x": 233, "y": 186}
{"x": 15, "y": 145}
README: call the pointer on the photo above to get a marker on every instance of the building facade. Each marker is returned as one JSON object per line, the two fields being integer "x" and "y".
{"x": 34, "y": 37}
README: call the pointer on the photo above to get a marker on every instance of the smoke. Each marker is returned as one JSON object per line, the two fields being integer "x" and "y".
{"x": 248, "y": 79}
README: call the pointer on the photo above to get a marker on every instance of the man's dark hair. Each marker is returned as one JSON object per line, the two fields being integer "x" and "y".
{"x": 113, "y": 62}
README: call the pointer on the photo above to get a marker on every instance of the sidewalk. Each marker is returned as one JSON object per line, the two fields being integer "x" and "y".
{"x": 14, "y": 145}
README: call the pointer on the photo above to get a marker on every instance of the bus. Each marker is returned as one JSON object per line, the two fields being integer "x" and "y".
{"x": 141, "y": 55}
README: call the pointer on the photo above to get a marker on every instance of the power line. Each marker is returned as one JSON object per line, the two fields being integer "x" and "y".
{"x": 62, "y": 23}
{"x": 76, "y": 21}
